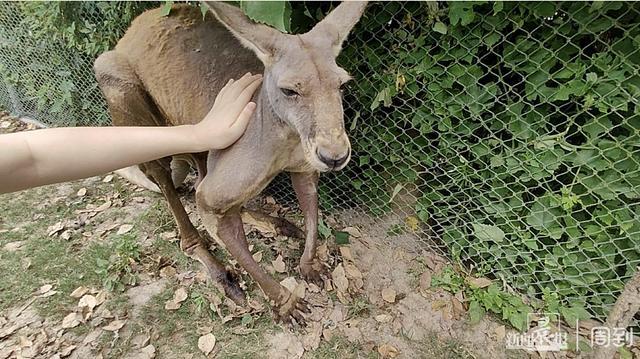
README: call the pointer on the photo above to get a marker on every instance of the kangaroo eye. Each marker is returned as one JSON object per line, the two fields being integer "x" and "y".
{"x": 289, "y": 92}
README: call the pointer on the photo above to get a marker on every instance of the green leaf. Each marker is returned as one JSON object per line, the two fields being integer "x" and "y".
{"x": 497, "y": 7}
{"x": 625, "y": 353}
{"x": 325, "y": 232}
{"x": 574, "y": 313}
{"x": 487, "y": 233}
{"x": 545, "y": 9}
{"x": 544, "y": 215}
{"x": 476, "y": 312}
{"x": 273, "y": 13}
{"x": 492, "y": 38}
{"x": 396, "y": 190}
{"x": 166, "y": 8}
{"x": 461, "y": 12}
{"x": 440, "y": 27}
{"x": 203, "y": 10}
{"x": 518, "y": 320}
{"x": 383, "y": 96}
{"x": 342, "y": 238}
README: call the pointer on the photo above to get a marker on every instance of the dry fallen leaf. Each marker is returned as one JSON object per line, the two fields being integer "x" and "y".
{"x": 25, "y": 342}
{"x": 55, "y": 228}
{"x": 289, "y": 283}
{"x": 101, "y": 296}
{"x": 383, "y": 318}
{"x": 345, "y": 252}
{"x": 45, "y": 288}
{"x": 86, "y": 305}
{"x": 322, "y": 252}
{"x": 278, "y": 265}
{"x": 66, "y": 351}
{"x": 13, "y": 246}
{"x": 481, "y": 282}
{"x": 340, "y": 278}
{"x": 124, "y": 229}
{"x": 257, "y": 256}
{"x": 387, "y": 351}
{"x": 206, "y": 343}
{"x": 353, "y": 232}
{"x": 107, "y": 178}
{"x": 102, "y": 207}
{"x": 140, "y": 340}
{"x": 79, "y": 292}
{"x": 66, "y": 235}
{"x": 267, "y": 229}
{"x": 352, "y": 271}
{"x": 115, "y": 325}
{"x": 72, "y": 320}
{"x": 458, "y": 308}
{"x": 179, "y": 296}
{"x": 81, "y": 192}
{"x": 425, "y": 280}
{"x": 148, "y": 352}
{"x": 168, "y": 272}
{"x": 389, "y": 295}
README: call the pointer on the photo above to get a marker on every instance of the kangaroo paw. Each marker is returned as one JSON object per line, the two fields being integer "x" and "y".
{"x": 291, "y": 310}
{"x": 224, "y": 279}
{"x": 232, "y": 289}
{"x": 313, "y": 272}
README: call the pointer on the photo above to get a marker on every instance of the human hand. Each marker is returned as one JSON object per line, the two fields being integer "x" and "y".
{"x": 230, "y": 114}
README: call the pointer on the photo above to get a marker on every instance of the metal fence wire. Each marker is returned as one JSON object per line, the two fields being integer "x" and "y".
{"x": 505, "y": 134}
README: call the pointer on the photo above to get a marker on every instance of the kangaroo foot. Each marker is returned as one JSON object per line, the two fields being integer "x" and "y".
{"x": 222, "y": 277}
{"x": 291, "y": 309}
{"x": 313, "y": 272}
{"x": 232, "y": 289}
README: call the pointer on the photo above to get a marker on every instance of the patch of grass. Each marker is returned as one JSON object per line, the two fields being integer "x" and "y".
{"x": 338, "y": 348}
{"x": 360, "y": 306}
{"x": 433, "y": 347}
{"x": 117, "y": 271}
{"x": 172, "y": 251}
{"x": 157, "y": 218}
{"x": 178, "y": 330}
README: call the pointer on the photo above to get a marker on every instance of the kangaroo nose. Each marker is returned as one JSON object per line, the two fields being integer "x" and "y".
{"x": 330, "y": 161}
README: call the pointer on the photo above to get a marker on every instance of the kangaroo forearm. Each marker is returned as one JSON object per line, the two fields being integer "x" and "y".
{"x": 30, "y": 159}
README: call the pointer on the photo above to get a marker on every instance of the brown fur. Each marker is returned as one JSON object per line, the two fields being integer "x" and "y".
{"x": 168, "y": 71}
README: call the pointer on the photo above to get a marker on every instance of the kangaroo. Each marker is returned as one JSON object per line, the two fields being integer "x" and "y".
{"x": 168, "y": 70}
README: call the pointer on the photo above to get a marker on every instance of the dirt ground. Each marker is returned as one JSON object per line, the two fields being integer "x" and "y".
{"x": 92, "y": 269}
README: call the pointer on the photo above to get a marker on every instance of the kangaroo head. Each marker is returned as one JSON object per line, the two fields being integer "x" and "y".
{"x": 302, "y": 81}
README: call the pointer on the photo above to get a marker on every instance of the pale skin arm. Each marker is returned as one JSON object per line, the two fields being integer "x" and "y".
{"x": 36, "y": 158}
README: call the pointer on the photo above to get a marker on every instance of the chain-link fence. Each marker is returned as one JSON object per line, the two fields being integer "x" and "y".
{"x": 506, "y": 135}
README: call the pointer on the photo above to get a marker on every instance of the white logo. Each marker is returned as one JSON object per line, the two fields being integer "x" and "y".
{"x": 540, "y": 338}
{"x": 545, "y": 337}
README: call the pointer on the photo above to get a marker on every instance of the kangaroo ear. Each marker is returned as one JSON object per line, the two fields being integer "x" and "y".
{"x": 337, "y": 25}
{"x": 261, "y": 39}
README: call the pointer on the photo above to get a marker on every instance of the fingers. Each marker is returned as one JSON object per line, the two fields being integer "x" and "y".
{"x": 250, "y": 89}
{"x": 239, "y": 86}
{"x": 243, "y": 118}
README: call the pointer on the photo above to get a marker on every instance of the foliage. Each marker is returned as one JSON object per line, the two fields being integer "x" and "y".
{"x": 118, "y": 271}
{"x": 47, "y": 52}
{"x": 517, "y": 126}
{"x": 514, "y": 126}
{"x": 274, "y": 13}
{"x": 511, "y": 307}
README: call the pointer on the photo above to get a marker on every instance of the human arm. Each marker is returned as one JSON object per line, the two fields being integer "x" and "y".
{"x": 30, "y": 159}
